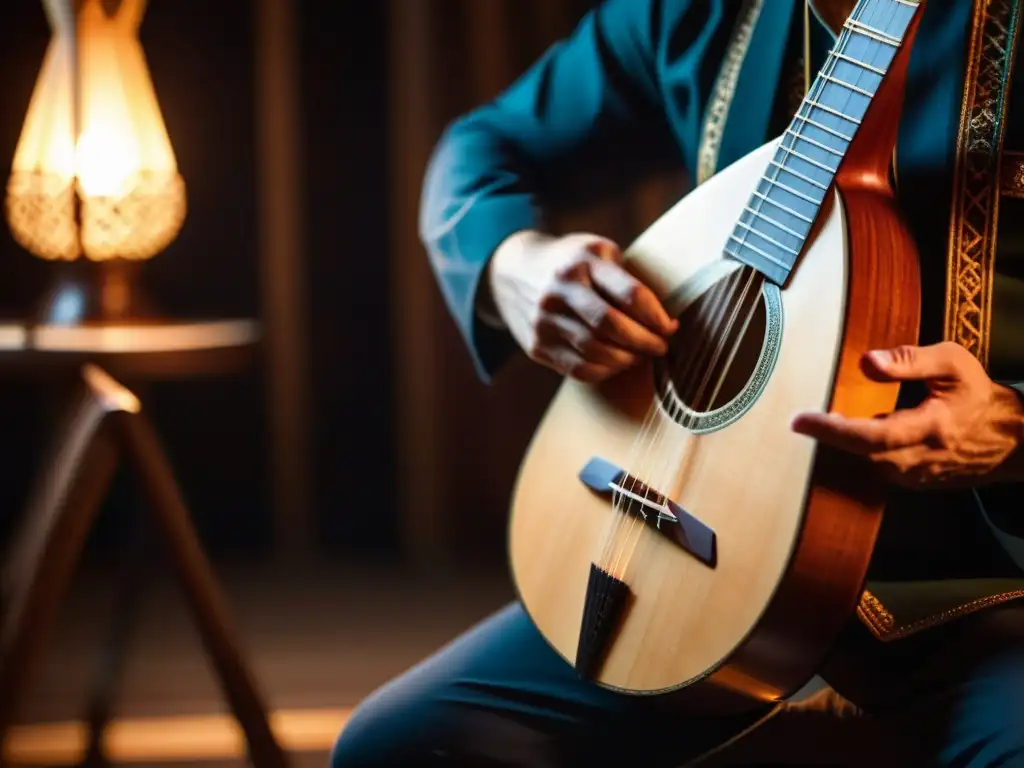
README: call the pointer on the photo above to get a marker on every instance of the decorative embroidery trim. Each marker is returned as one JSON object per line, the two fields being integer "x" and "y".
{"x": 883, "y": 625}
{"x": 977, "y": 185}
{"x": 725, "y": 89}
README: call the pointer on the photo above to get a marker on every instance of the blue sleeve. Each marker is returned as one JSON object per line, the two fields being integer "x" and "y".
{"x": 586, "y": 119}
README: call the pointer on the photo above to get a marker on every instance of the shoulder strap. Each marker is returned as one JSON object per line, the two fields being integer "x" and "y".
{"x": 976, "y": 192}
{"x": 976, "y": 182}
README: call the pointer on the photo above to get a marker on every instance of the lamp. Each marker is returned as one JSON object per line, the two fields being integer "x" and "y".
{"x": 94, "y": 184}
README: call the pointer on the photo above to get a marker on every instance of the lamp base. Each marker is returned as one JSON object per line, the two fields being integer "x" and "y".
{"x": 92, "y": 293}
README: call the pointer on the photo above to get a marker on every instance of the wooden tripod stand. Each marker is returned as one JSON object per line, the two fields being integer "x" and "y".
{"x": 105, "y": 426}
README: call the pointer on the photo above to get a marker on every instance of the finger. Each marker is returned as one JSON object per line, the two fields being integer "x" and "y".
{"x": 909, "y": 363}
{"x": 868, "y": 436}
{"x": 603, "y": 248}
{"x": 579, "y": 252}
{"x": 557, "y": 330}
{"x": 630, "y": 295}
{"x": 611, "y": 324}
{"x": 568, "y": 362}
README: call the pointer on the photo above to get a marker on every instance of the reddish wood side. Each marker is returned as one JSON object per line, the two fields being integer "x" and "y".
{"x": 845, "y": 502}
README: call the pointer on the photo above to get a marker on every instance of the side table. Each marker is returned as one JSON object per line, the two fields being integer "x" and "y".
{"x": 106, "y": 423}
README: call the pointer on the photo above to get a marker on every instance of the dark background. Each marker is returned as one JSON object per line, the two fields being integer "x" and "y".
{"x": 411, "y": 457}
{"x": 202, "y": 60}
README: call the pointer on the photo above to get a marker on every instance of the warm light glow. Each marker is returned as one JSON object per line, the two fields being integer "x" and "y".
{"x": 107, "y": 157}
{"x": 170, "y": 740}
{"x": 120, "y": 165}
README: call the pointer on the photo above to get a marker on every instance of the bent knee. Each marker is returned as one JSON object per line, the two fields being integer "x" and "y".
{"x": 366, "y": 739}
{"x": 985, "y": 726}
{"x": 387, "y": 730}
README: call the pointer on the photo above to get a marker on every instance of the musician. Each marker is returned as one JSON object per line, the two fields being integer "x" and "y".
{"x": 937, "y": 647}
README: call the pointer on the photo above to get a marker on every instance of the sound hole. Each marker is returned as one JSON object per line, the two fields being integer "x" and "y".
{"x": 718, "y": 357}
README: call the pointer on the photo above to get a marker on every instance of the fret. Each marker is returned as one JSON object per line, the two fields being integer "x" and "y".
{"x": 789, "y": 197}
{"x": 875, "y": 34}
{"x": 829, "y": 110}
{"x": 789, "y": 150}
{"x": 783, "y": 246}
{"x": 849, "y": 86}
{"x": 823, "y": 127}
{"x": 859, "y": 63}
{"x": 795, "y": 209}
{"x": 756, "y": 250}
{"x": 818, "y": 144}
{"x": 791, "y": 172}
{"x": 771, "y": 240}
{"x": 776, "y": 183}
{"x": 783, "y": 207}
{"x": 762, "y": 217}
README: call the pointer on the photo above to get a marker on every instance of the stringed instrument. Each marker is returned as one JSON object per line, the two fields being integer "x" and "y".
{"x": 668, "y": 527}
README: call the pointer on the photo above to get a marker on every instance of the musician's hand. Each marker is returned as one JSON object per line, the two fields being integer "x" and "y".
{"x": 969, "y": 431}
{"x": 573, "y": 307}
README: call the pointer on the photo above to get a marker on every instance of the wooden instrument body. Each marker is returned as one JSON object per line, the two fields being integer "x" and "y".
{"x": 795, "y": 524}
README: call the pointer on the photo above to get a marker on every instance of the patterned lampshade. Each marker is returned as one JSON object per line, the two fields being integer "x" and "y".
{"x": 94, "y": 174}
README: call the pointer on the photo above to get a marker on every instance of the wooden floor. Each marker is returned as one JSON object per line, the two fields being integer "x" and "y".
{"x": 320, "y": 638}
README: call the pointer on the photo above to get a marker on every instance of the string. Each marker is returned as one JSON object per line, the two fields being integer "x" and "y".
{"x": 807, "y": 85}
{"x": 689, "y": 419}
{"x": 691, "y": 415}
{"x": 644, "y": 435}
{"x": 609, "y": 558}
{"x": 643, "y": 439}
{"x": 654, "y": 412}
{"x": 693, "y": 368}
{"x": 651, "y": 443}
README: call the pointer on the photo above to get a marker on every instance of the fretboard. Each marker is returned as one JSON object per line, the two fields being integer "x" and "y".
{"x": 774, "y": 226}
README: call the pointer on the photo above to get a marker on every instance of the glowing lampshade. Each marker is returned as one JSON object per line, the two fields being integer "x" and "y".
{"x": 94, "y": 173}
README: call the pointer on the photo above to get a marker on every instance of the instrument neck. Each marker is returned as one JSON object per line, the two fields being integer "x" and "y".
{"x": 776, "y": 224}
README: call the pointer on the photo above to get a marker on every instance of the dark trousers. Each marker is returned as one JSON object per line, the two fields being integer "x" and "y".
{"x": 500, "y": 696}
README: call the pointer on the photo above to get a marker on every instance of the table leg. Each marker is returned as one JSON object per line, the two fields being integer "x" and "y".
{"x": 209, "y": 608}
{"x": 113, "y": 652}
{"x": 37, "y": 571}
{"x": 39, "y": 564}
